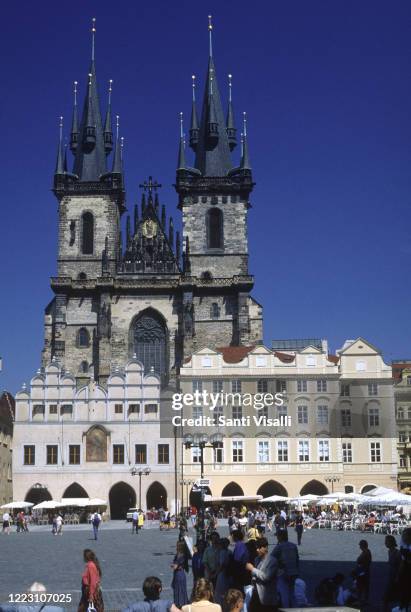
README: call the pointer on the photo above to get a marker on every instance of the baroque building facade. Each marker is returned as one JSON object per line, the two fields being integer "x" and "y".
{"x": 402, "y": 393}
{"x": 6, "y": 447}
{"x": 335, "y": 429}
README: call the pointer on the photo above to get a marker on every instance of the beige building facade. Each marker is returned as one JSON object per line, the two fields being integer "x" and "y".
{"x": 402, "y": 393}
{"x": 87, "y": 441}
{"x": 337, "y": 430}
{"x": 6, "y": 447}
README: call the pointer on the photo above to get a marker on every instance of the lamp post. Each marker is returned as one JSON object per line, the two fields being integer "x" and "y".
{"x": 202, "y": 441}
{"x": 185, "y": 483}
{"x": 332, "y": 480}
{"x": 135, "y": 471}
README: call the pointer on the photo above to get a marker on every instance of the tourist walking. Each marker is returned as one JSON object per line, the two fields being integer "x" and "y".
{"x": 211, "y": 558}
{"x": 287, "y": 557}
{"x": 179, "y": 582}
{"x": 152, "y": 588}
{"x": 264, "y": 579}
{"x": 140, "y": 520}
{"x": 223, "y": 581}
{"x": 240, "y": 558}
{"x": 59, "y": 525}
{"x": 6, "y": 523}
{"x": 362, "y": 573}
{"x": 197, "y": 564}
{"x": 394, "y": 562}
{"x": 299, "y": 527}
{"x": 134, "y": 522}
{"x": 96, "y": 520}
{"x": 202, "y": 598}
{"x": 91, "y": 584}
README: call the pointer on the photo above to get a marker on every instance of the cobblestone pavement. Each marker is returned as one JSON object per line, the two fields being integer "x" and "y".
{"x": 127, "y": 559}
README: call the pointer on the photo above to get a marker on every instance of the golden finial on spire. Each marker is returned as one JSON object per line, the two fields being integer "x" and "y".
{"x": 245, "y": 124}
{"x": 230, "y": 84}
{"x": 89, "y": 79}
{"x": 110, "y": 89}
{"x": 193, "y": 77}
{"x": 93, "y": 34}
{"x": 210, "y": 23}
{"x": 181, "y": 125}
{"x": 61, "y": 129}
{"x": 117, "y": 125}
{"x": 210, "y": 34}
{"x": 75, "y": 92}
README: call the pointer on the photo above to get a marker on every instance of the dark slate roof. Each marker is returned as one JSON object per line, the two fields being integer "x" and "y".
{"x": 212, "y": 159}
{"x": 90, "y": 165}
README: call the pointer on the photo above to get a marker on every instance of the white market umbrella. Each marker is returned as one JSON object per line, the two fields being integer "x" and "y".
{"x": 95, "y": 501}
{"x": 275, "y": 498}
{"x": 16, "y": 505}
{"x": 378, "y": 491}
{"x": 304, "y": 498}
{"x": 47, "y": 505}
{"x": 80, "y": 502}
{"x": 234, "y": 498}
{"x": 393, "y": 498}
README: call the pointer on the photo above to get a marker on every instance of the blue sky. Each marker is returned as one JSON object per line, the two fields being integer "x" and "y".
{"x": 327, "y": 89}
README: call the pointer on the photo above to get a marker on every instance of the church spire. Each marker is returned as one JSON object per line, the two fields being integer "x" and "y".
{"x": 213, "y": 150}
{"x": 181, "y": 164}
{"x": 194, "y": 131}
{"x": 108, "y": 134}
{"x": 60, "y": 154}
{"x": 74, "y": 123}
{"x": 117, "y": 159}
{"x": 90, "y": 161}
{"x": 231, "y": 131}
{"x": 245, "y": 158}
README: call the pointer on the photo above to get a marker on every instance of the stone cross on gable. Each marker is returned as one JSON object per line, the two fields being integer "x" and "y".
{"x": 150, "y": 186}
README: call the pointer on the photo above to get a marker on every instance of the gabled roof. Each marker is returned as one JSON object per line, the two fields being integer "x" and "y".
{"x": 356, "y": 348}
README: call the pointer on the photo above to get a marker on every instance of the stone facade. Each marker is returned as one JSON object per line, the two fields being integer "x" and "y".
{"x": 6, "y": 447}
{"x": 341, "y": 411}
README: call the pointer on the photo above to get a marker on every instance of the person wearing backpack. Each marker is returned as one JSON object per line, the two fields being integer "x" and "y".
{"x": 96, "y": 520}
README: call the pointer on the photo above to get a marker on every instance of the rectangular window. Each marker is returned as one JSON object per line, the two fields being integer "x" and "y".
{"x": 347, "y": 452}
{"x": 236, "y": 386}
{"x": 372, "y": 389}
{"x": 219, "y": 452}
{"x": 263, "y": 412}
{"x": 150, "y": 409}
{"x": 66, "y": 409}
{"x": 301, "y": 386}
{"x": 282, "y": 450}
{"x": 197, "y": 386}
{"x": 345, "y": 390}
{"x": 163, "y": 453}
{"x": 195, "y": 454}
{"x": 197, "y": 412}
{"x": 262, "y": 386}
{"x": 118, "y": 454}
{"x": 400, "y": 414}
{"x": 346, "y": 417}
{"x": 282, "y": 411}
{"x": 74, "y": 454}
{"x": 263, "y": 451}
{"x": 360, "y": 366}
{"x": 38, "y": 409}
{"x": 217, "y": 412}
{"x": 237, "y": 412}
{"x": 281, "y": 386}
{"x": 322, "y": 415}
{"x": 29, "y": 454}
{"x": 321, "y": 385}
{"x": 403, "y": 461}
{"x": 402, "y": 436}
{"x": 217, "y": 386}
{"x": 51, "y": 454}
{"x": 303, "y": 450}
{"x": 237, "y": 451}
{"x": 409, "y": 380}
{"x": 323, "y": 450}
{"x": 260, "y": 361}
{"x": 141, "y": 453}
{"x": 134, "y": 409}
{"x": 374, "y": 417}
{"x": 302, "y": 415}
{"x": 375, "y": 452}
{"x": 53, "y": 409}
{"x": 118, "y": 408}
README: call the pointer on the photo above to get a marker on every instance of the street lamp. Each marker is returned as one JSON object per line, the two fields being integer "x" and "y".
{"x": 332, "y": 480}
{"x": 202, "y": 441}
{"x": 188, "y": 483}
{"x": 135, "y": 471}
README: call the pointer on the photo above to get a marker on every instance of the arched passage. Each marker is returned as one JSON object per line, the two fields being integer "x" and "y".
{"x": 272, "y": 487}
{"x": 156, "y": 496}
{"x": 195, "y": 497}
{"x": 121, "y": 497}
{"x": 232, "y": 489}
{"x": 314, "y": 487}
{"x": 75, "y": 490}
{"x": 367, "y": 488}
{"x": 37, "y": 494}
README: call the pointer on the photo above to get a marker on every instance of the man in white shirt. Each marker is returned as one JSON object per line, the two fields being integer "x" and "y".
{"x": 59, "y": 525}
{"x": 134, "y": 520}
{"x": 6, "y": 523}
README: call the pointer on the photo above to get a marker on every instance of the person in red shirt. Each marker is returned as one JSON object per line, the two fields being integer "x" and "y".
{"x": 90, "y": 583}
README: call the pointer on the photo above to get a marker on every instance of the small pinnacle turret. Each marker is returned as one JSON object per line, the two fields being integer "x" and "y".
{"x": 117, "y": 158}
{"x": 74, "y": 123}
{"x": 60, "y": 155}
{"x": 108, "y": 133}
{"x": 194, "y": 130}
{"x": 181, "y": 163}
{"x": 231, "y": 130}
{"x": 245, "y": 158}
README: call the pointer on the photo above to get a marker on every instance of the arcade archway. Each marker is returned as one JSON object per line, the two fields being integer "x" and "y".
{"x": 75, "y": 490}
{"x": 37, "y": 494}
{"x": 232, "y": 489}
{"x": 314, "y": 487}
{"x": 121, "y": 497}
{"x": 156, "y": 496}
{"x": 272, "y": 487}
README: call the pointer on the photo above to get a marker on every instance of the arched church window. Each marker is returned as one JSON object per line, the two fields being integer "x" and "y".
{"x": 215, "y": 229}
{"x": 82, "y": 276}
{"x": 83, "y": 338}
{"x": 215, "y": 311}
{"x": 87, "y": 234}
{"x": 207, "y": 276}
{"x": 150, "y": 343}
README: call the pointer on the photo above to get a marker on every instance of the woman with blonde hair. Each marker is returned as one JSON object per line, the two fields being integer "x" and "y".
{"x": 202, "y": 598}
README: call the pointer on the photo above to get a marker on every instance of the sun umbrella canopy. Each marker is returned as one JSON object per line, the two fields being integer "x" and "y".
{"x": 47, "y": 505}
{"x": 95, "y": 501}
{"x": 80, "y": 502}
{"x": 393, "y": 498}
{"x": 235, "y": 498}
{"x": 275, "y": 498}
{"x": 304, "y": 498}
{"x": 16, "y": 505}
